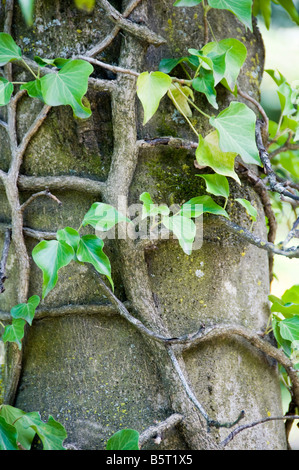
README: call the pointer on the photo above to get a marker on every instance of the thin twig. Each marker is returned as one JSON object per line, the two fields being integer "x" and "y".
{"x": 257, "y": 105}
{"x": 255, "y": 423}
{"x": 46, "y": 193}
{"x": 157, "y": 431}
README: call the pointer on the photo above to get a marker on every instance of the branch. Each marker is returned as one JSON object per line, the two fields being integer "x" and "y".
{"x": 63, "y": 182}
{"x": 112, "y": 68}
{"x": 46, "y": 193}
{"x": 255, "y": 423}
{"x": 140, "y": 31}
{"x": 6, "y": 245}
{"x": 257, "y": 105}
{"x": 156, "y": 432}
{"x": 107, "y": 41}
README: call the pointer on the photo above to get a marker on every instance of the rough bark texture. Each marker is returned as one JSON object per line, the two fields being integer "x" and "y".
{"x": 93, "y": 371}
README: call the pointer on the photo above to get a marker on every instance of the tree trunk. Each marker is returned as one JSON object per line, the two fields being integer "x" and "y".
{"x": 82, "y": 362}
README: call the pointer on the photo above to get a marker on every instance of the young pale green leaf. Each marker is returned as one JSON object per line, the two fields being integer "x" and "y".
{"x": 52, "y": 434}
{"x": 186, "y": 3}
{"x": 200, "y": 205}
{"x": 151, "y": 87}
{"x": 27, "y": 7}
{"x": 204, "y": 83}
{"x": 103, "y": 217}
{"x": 90, "y": 250}
{"x": 26, "y": 311}
{"x": 291, "y": 295}
{"x": 14, "y": 333}
{"x": 126, "y": 439}
{"x": 236, "y": 129}
{"x": 8, "y": 49}
{"x": 179, "y": 96}
{"x": 6, "y": 89}
{"x": 50, "y": 256}
{"x": 291, "y": 9}
{"x": 282, "y": 342}
{"x": 183, "y": 228}
{"x": 233, "y": 52}
{"x": 68, "y": 86}
{"x": 288, "y": 309}
{"x": 242, "y": 9}
{"x": 263, "y": 7}
{"x": 251, "y": 211}
{"x": 149, "y": 209}
{"x": 8, "y": 436}
{"x": 87, "y": 5}
{"x": 11, "y": 416}
{"x": 208, "y": 153}
{"x": 216, "y": 184}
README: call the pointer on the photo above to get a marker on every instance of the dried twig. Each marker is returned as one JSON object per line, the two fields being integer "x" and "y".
{"x": 45, "y": 193}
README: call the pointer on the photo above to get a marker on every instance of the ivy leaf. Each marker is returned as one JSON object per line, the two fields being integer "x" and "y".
{"x": 236, "y": 128}
{"x": 68, "y": 86}
{"x": 27, "y": 7}
{"x": 14, "y": 333}
{"x": 126, "y": 439}
{"x": 204, "y": 83}
{"x": 8, "y": 49}
{"x": 167, "y": 65}
{"x": 263, "y": 6}
{"x": 149, "y": 209}
{"x": 50, "y": 256}
{"x": 200, "y": 205}
{"x": 183, "y": 228}
{"x": 103, "y": 217}
{"x": 186, "y": 3}
{"x": 178, "y": 95}
{"x": 57, "y": 62}
{"x": 34, "y": 89}
{"x": 285, "y": 344}
{"x": 208, "y": 153}
{"x": 6, "y": 89}
{"x": 151, "y": 87}
{"x": 70, "y": 236}
{"x": 52, "y": 434}
{"x": 291, "y": 295}
{"x": 216, "y": 184}
{"x": 289, "y": 328}
{"x": 251, "y": 211}
{"x": 287, "y": 309}
{"x": 26, "y": 311}
{"x": 11, "y": 415}
{"x": 90, "y": 250}
{"x": 290, "y": 8}
{"x": 8, "y": 436}
{"x": 242, "y": 9}
{"x": 233, "y": 52}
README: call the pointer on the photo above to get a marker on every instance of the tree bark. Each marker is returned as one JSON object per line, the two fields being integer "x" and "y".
{"x": 83, "y": 363}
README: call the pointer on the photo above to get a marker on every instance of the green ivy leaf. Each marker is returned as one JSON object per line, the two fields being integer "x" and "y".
{"x": 90, "y": 250}
{"x": 52, "y": 434}
{"x": 103, "y": 217}
{"x": 11, "y": 416}
{"x": 6, "y": 90}
{"x": 204, "y": 83}
{"x": 242, "y": 9}
{"x": 236, "y": 128}
{"x": 251, "y": 211}
{"x": 8, "y": 49}
{"x": 289, "y": 328}
{"x": 187, "y": 3}
{"x": 70, "y": 236}
{"x": 149, "y": 209}
{"x": 151, "y": 87}
{"x": 183, "y": 228}
{"x": 290, "y": 8}
{"x": 208, "y": 153}
{"x": 233, "y": 52}
{"x": 167, "y": 65}
{"x": 14, "y": 333}
{"x": 263, "y": 6}
{"x": 291, "y": 295}
{"x": 57, "y": 62}
{"x": 126, "y": 439}
{"x": 216, "y": 185}
{"x": 282, "y": 342}
{"x": 27, "y": 7}
{"x": 33, "y": 88}
{"x": 200, "y": 205}
{"x": 68, "y": 86}
{"x": 8, "y": 436}
{"x": 26, "y": 311}
{"x": 50, "y": 256}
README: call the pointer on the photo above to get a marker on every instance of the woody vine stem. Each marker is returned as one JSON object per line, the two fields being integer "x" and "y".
{"x": 189, "y": 414}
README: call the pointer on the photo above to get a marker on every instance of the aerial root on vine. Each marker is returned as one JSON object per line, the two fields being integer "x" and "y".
{"x": 45, "y": 193}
